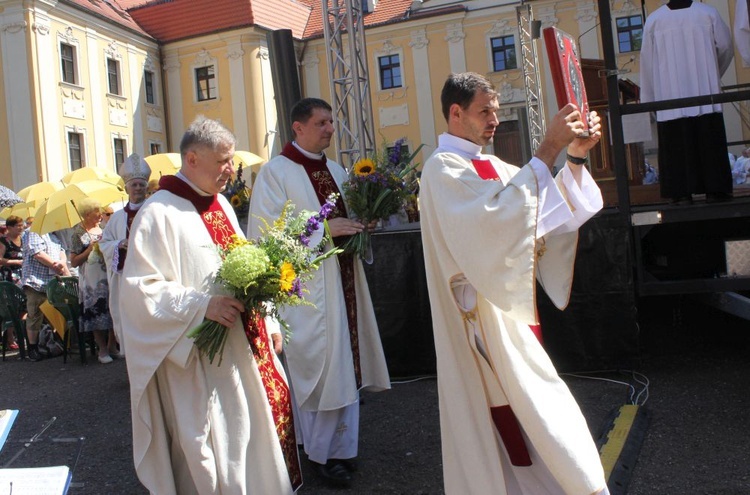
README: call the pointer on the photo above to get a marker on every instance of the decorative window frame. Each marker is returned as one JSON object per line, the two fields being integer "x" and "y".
{"x": 157, "y": 142}
{"x": 74, "y": 129}
{"x": 112, "y": 52}
{"x": 386, "y": 50}
{"x": 626, "y": 10}
{"x": 204, "y": 59}
{"x": 150, "y": 66}
{"x": 126, "y": 139}
{"x": 68, "y": 38}
{"x": 500, "y": 28}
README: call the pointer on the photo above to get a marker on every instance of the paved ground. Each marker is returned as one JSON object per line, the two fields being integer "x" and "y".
{"x": 697, "y": 442}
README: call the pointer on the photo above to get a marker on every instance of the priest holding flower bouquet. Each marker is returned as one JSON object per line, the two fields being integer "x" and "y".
{"x": 199, "y": 427}
{"x": 334, "y": 350}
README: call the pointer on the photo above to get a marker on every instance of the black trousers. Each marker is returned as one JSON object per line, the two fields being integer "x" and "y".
{"x": 693, "y": 156}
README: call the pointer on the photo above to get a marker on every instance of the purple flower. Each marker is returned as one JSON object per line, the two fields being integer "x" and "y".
{"x": 394, "y": 158}
{"x": 296, "y": 288}
{"x": 305, "y": 240}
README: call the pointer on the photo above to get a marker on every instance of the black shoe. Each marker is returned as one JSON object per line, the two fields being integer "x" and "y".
{"x": 351, "y": 465}
{"x": 718, "y": 197}
{"x": 334, "y": 473}
{"x": 34, "y": 355}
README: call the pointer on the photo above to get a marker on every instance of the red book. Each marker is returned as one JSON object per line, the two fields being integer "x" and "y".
{"x": 565, "y": 67}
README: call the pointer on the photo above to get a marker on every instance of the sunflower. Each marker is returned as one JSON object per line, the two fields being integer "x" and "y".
{"x": 288, "y": 275}
{"x": 365, "y": 166}
{"x": 236, "y": 201}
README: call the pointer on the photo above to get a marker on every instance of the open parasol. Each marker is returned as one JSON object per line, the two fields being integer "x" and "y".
{"x": 164, "y": 164}
{"x": 8, "y": 197}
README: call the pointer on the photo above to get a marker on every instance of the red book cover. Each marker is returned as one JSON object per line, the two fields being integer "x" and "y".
{"x": 565, "y": 67}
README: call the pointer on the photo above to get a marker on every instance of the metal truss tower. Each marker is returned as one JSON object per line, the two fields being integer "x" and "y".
{"x": 349, "y": 78}
{"x": 534, "y": 100}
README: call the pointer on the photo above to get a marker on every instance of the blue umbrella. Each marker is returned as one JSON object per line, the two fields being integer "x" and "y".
{"x": 8, "y": 197}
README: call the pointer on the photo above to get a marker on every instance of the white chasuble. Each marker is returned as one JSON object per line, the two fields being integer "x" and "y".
{"x": 198, "y": 428}
{"x": 483, "y": 253}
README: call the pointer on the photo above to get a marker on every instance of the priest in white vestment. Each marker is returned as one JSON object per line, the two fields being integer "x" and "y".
{"x": 334, "y": 349}
{"x": 198, "y": 428}
{"x": 114, "y": 242}
{"x": 508, "y": 423}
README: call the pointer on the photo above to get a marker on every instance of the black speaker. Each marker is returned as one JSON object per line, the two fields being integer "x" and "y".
{"x": 286, "y": 85}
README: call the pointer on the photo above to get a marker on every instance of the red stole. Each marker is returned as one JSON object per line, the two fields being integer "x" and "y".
{"x": 503, "y": 417}
{"x": 277, "y": 390}
{"x": 323, "y": 184}
{"x": 122, "y": 253}
{"x": 486, "y": 171}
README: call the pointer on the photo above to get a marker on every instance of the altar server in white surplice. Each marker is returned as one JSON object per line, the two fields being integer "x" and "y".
{"x": 686, "y": 49}
{"x": 114, "y": 242}
{"x": 198, "y": 427}
{"x": 508, "y": 423}
{"x": 334, "y": 349}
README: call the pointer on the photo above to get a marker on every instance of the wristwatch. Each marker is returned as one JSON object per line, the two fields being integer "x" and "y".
{"x": 577, "y": 160}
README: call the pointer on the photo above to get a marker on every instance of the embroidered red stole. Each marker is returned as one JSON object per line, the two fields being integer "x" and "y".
{"x": 122, "y": 253}
{"x": 503, "y": 417}
{"x": 323, "y": 184}
{"x": 277, "y": 390}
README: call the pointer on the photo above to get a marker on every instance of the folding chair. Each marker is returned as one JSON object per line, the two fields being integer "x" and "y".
{"x": 12, "y": 308}
{"x": 62, "y": 293}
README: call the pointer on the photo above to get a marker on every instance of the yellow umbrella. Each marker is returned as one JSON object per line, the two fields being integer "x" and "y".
{"x": 60, "y": 210}
{"x": 249, "y": 161}
{"x": 92, "y": 173}
{"x": 39, "y": 192}
{"x": 23, "y": 210}
{"x": 164, "y": 164}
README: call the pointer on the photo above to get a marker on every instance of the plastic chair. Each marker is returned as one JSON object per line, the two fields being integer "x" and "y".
{"x": 12, "y": 308}
{"x": 62, "y": 293}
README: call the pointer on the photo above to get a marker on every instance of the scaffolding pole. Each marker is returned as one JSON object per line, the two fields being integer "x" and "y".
{"x": 534, "y": 100}
{"x": 349, "y": 80}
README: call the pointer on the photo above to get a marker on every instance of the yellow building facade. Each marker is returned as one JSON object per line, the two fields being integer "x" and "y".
{"x": 77, "y": 90}
{"x": 81, "y": 89}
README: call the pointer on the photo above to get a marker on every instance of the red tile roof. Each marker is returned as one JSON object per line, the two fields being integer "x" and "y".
{"x": 109, "y": 10}
{"x": 171, "y": 20}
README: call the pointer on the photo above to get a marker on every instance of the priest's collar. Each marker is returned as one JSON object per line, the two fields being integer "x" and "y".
{"x": 311, "y": 156}
{"x": 135, "y": 207}
{"x": 193, "y": 186}
{"x": 459, "y": 146}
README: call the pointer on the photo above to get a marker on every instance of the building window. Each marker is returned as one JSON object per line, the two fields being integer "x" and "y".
{"x": 119, "y": 145}
{"x": 503, "y": 53}
{"x": 629, "y": 33}
{"x": 205, "y": 78}
{"x": 74, "y": 150}
{"x": 155, "y": 148}
{"x": 148, "y": 78}
{"x": 113, "y": 76}
{"x": 68, "y": 60}
{"x": 390, "y": 71}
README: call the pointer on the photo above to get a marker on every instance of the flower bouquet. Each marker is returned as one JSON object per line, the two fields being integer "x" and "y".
{"x": 377, "y": 188}
{"x": 238, "y": 194}
{"x": 269, "y": 272}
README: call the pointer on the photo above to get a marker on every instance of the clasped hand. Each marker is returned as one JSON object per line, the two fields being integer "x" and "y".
{"x": 224, "y": 310}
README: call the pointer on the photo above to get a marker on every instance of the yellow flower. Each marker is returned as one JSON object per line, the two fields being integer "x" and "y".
{"x": 236, "y": 201}
{"x": 365, "y": 166}
{"x": 287, "y": 277}
{"x": 236, "y": 241}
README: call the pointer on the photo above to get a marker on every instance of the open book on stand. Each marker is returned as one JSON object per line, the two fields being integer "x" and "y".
{"x": 565, "y": 68}
{"x": 54, "y": 480}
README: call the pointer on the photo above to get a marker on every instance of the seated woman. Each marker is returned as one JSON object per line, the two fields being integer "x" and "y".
{"x": 92, "y": 279}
